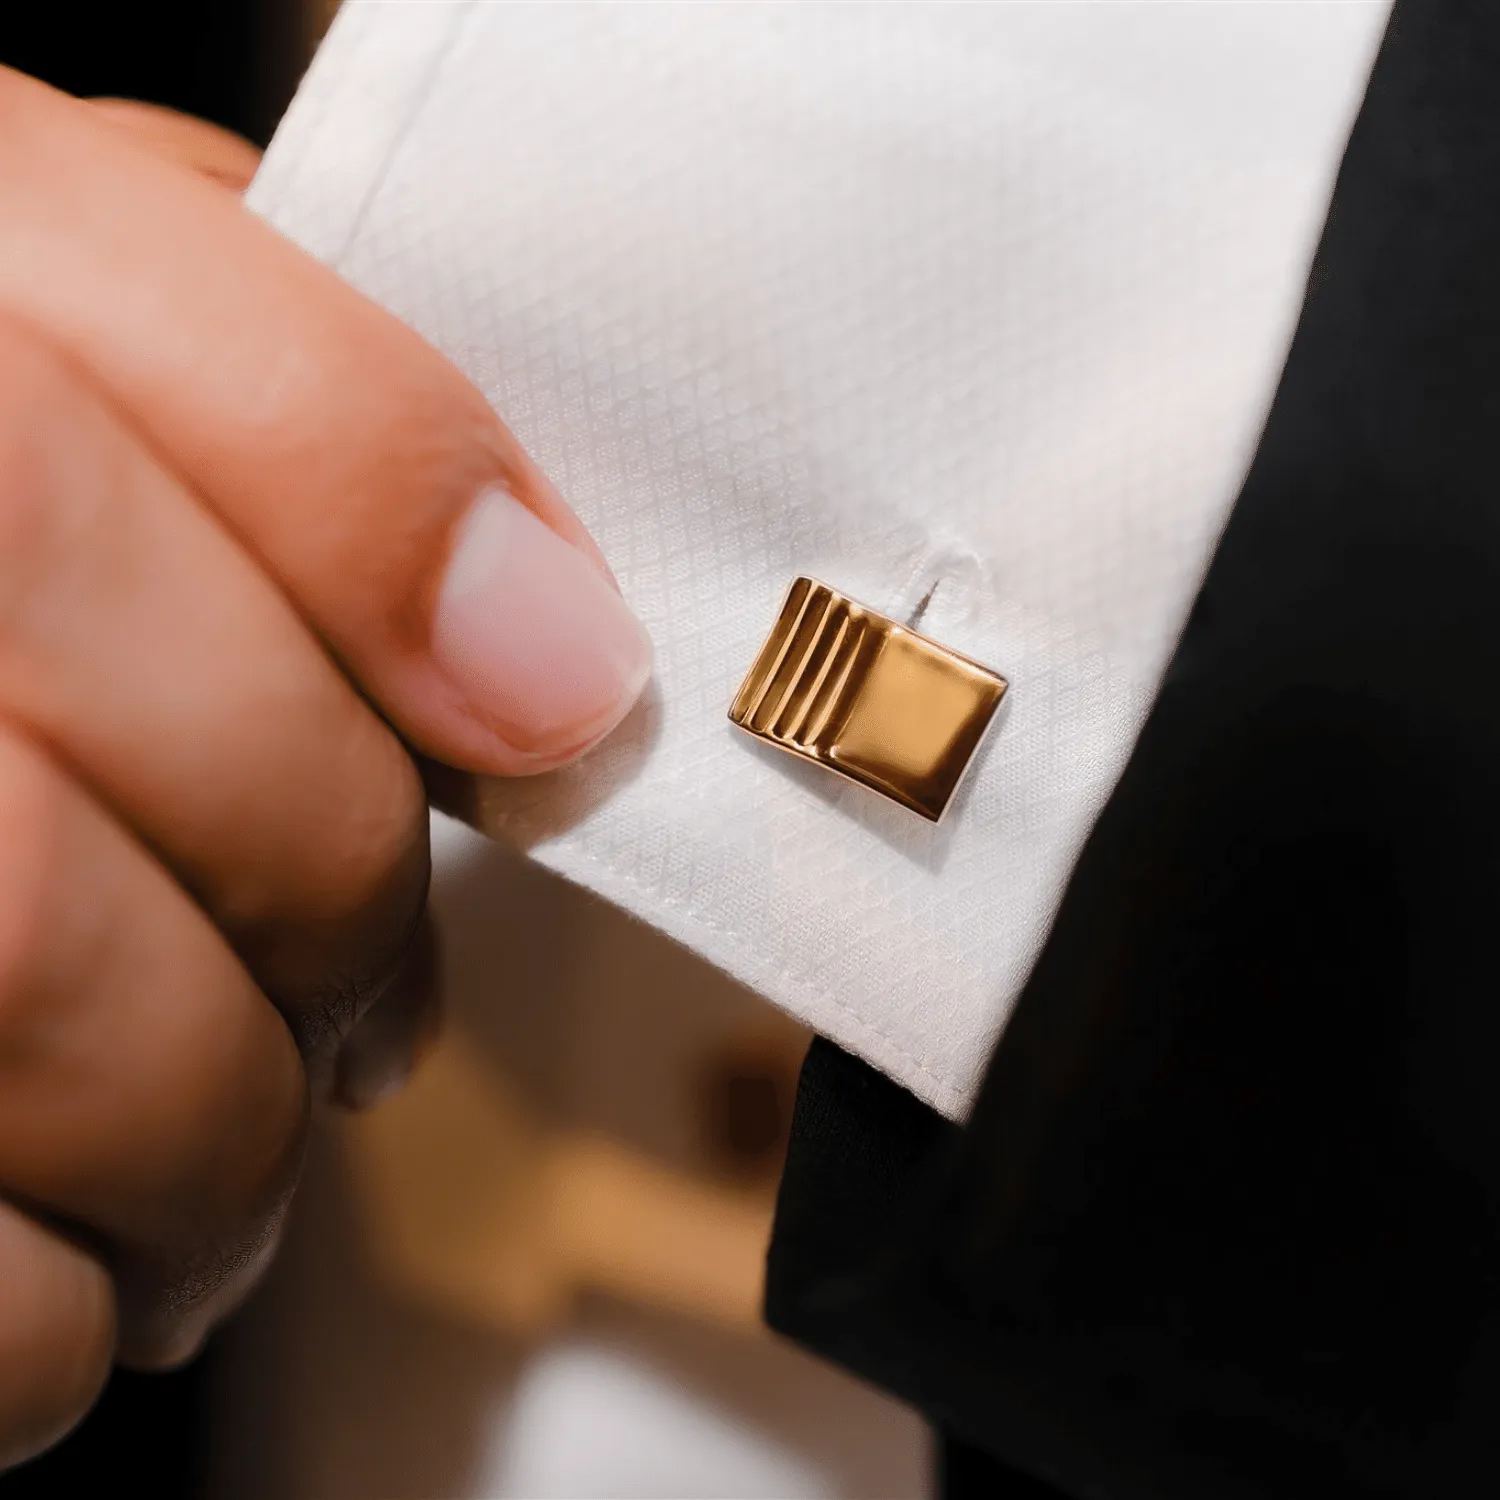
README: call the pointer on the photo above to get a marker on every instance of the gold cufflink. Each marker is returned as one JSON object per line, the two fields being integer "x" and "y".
{"x": 838, "y": 684}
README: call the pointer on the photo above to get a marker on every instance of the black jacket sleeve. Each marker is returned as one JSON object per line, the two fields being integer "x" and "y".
{"x": 1226, "y": 1219}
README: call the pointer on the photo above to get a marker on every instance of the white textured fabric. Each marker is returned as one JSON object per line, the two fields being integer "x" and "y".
{"x": 989, "y": 296}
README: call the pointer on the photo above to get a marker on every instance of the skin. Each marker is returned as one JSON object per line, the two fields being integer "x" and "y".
{"x": 229, "y": 488}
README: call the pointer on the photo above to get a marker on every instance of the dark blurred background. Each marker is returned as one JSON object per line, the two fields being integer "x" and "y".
{"x": 235, "y": 62}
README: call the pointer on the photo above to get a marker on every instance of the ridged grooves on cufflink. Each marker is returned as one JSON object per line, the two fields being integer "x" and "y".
{"x": 842, "y": 685}
{"x": 796, "y": 692}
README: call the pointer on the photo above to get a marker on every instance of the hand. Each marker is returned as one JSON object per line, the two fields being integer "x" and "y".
{"x": 252, "y": 530}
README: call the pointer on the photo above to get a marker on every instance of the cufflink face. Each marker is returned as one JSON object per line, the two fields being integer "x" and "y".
{"x": 838, "y": 684}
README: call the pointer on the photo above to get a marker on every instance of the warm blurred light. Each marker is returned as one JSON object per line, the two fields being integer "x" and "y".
{"x": 472, "y": 1202}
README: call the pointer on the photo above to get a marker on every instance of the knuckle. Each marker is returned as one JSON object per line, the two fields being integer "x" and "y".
{"x": 57, "y": 1326}
{"x": 384, "y": 868}
{"x": 235, "y": 1199}
{"x": 215, "y": 1121}
{"x": 382, "y": 853}
{"x": 342, "y": 920}
{"x": 170, "y": 1304}
{"x": 32, "y": 817}
{"x": 388, "y": 844}
{"x": 37, "y": 395}
{"x": 36, "y": 388}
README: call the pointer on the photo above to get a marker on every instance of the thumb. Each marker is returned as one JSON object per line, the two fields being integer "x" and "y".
{"x": 371, "y": 479}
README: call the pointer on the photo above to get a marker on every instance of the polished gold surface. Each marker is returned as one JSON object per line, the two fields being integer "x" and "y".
{"x": 838, "y": 684}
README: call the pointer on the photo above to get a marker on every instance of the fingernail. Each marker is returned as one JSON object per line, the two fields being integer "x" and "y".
{"x": 546, "y": 651}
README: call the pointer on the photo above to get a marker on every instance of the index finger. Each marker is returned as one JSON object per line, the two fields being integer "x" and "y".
{"x": 371, "y": 478}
